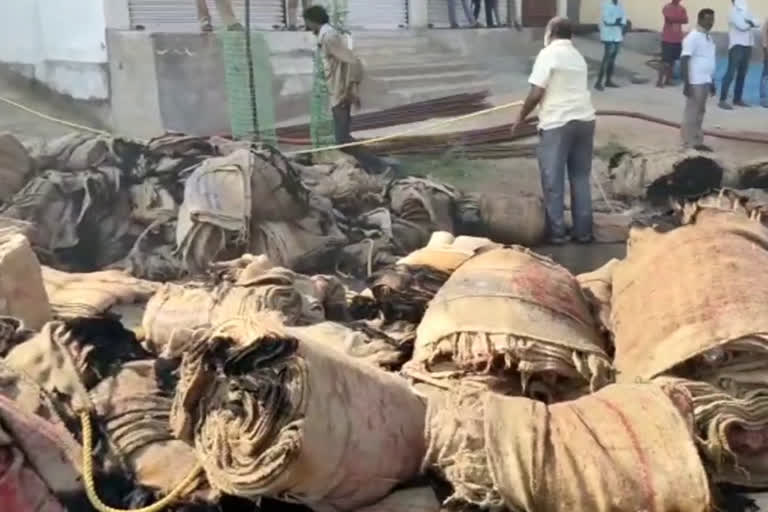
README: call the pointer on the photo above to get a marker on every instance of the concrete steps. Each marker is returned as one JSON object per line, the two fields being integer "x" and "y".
{"x": 423, "y": 93}
{"x": 432, "y": 79}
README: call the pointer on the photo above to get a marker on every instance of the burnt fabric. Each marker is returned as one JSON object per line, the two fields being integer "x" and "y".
{"x": 403, "y": 291}
{"x": 513, "y": 311}
{"x": 133, "y": 408}
{"x": 663, "y": 175}
{"x": 83, "y": 217}
{"x": 272, "y": 415}
{"x": 426, "y": 204}
{"x": 76, "y": 151}
{"x": 226, "y": 194}
{"x": 626, "y": 447}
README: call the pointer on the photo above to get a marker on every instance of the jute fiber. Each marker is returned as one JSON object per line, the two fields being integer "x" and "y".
{"x": 176, "y": 311}
{"x": 680, "y": 294}
{"x": 598, "y": 288}
{"x": 626, "y": 447}
{"x": 134, "y": 410}
{"x": 515, "y": 309}
{"x": 730, "y": 431}
{"x": 276, "y": 416}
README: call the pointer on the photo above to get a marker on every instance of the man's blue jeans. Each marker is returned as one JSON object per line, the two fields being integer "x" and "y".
{"x": 764, "y": 81}
{"x": 738, "y": 65}
{"x": 568, "y": 147}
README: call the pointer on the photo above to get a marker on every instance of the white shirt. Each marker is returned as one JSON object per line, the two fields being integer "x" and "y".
{"x": 700, "y": 47}
{"x": 562, "y": 71}
{"x": 740, "y": 32}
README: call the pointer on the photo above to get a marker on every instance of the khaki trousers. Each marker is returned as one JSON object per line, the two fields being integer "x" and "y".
{"x": 692, "y": 130}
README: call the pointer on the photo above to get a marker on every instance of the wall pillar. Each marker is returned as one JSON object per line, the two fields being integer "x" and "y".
{"x": 418, "y": 14}
{"x": 116, "y": 14}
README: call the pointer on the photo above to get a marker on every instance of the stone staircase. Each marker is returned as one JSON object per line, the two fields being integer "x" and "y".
{"x": 412, "y": 67}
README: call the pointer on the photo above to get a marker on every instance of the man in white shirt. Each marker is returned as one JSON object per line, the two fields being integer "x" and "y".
{"x": 698, "y": 69}
{"x": 740, "y": 41}
{"x": 559, "y": 87}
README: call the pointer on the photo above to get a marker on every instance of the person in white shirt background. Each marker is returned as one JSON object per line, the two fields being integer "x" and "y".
{"x": 697, "y": 65}
{"x": 740, "y": 41}
{"x": 560, "y": 88}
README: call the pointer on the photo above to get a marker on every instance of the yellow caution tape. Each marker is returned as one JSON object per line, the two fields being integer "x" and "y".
{"x": 90, "y": 486}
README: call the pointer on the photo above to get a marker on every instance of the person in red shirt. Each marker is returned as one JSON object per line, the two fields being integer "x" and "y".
{"x": 675, "y": 16}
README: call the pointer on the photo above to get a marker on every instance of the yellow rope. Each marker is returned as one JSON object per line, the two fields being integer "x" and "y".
{"x": 413, "y": 129}
{"x": 90, "y": 486}
{"x": 54, "y": 119}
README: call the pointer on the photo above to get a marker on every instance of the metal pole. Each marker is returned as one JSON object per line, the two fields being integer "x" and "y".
{"x": 249, "y": 59}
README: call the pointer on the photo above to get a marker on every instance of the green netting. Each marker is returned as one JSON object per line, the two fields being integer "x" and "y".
{"x": 250, "y": 94}
{"x": 321, "y": 121}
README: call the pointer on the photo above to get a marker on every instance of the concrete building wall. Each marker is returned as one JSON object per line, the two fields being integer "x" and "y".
{"x": 61, "y": 44}
{"x": 646, "y": 14}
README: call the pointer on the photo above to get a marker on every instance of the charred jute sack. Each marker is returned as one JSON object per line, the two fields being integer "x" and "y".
{"x": 685, "y": 293}
{"x": 513, "y": 310}
{"x": 276, "y": 416}
{"x": 626, "y": 447}
{"x": 732, "y": 432}
{"x": 133, "y": 409}
{"x": 175, "y": 311}
{"x": 404, "y": 290}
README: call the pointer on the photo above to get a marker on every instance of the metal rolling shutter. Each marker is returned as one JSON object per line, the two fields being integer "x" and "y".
{"x": 438, "y": 13}
{"x": 377, "y": 14}
{"x": 159, "y": 15}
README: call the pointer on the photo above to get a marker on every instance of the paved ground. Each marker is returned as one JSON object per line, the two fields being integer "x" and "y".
{"x": 27, "y": 125}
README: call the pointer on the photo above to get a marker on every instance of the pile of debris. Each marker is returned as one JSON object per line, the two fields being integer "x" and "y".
{"x": 470, "y": 373}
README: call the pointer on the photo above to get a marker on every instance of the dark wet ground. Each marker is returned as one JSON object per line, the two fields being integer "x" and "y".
{"x": 583, "y": 258}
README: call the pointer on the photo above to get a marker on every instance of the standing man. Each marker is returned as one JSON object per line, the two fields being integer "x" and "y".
{"x": 764, "y": 79}
{"x": 740, "y": 42}
{"x": 224, "y": 7}
{"x": 698, "y": 68}
{"x": 612, "y": 23}
{"x": 675, "y": 16}
{"x": 560, "y": 87}
{"x": 343, "y": 72}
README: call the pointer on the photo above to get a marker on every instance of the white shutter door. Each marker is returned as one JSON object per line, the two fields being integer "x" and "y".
{"x": 174, "y": 15}
{"x": 377, "y": 14}
{"x": 438, "y": 13}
